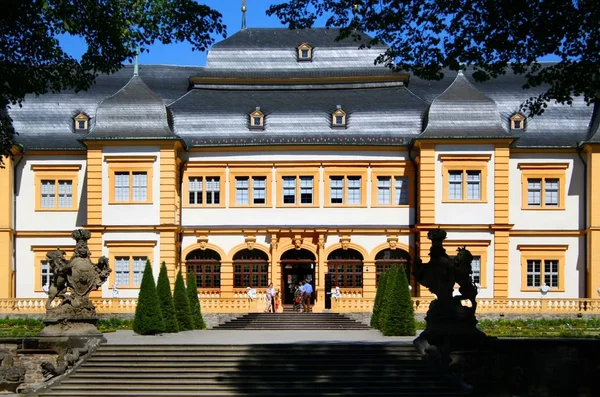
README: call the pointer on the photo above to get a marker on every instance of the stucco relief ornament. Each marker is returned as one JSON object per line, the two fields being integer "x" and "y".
{"x": 297, "y": 242}
{"x": 451, "y": 321}
{"x": 71, "y": 283}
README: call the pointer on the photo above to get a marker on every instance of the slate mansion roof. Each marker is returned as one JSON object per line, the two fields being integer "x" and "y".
{"x": 259, "y": 68}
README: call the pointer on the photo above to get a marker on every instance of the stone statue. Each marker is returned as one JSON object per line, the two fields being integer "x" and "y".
{"x": 450, "y": 321}
{"x": 72, "y": 281}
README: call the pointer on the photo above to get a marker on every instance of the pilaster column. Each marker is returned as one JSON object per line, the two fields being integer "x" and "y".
{"x": 6, "y": 228}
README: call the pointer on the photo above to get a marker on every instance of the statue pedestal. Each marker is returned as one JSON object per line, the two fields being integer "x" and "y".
{"x": 70, "y": 327}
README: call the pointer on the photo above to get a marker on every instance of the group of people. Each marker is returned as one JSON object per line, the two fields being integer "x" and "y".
{"x": 302, "y": 296}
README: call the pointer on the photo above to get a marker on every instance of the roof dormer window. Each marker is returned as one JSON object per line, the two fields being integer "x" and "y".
{"x": 304, "y": 52}
{"x": 81, "y": 122}
{"x": 338, "y": 118}
{"x": 517, "y": 122}
{"x": 257, "y": 119}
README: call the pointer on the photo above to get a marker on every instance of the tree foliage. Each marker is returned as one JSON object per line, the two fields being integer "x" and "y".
{"x": 425, "y": 36}
{"x": 379, "y": 299}
{"x": 148, "y": 320}
{"x": 182, "y": 304}
{"x": 398, "y": 316}
{"x": 32, "y": 60}
{"x": 167, "y": 308}
{"x": 195, "y": 309}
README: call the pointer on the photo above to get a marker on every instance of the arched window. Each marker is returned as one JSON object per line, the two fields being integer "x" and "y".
{"x": 250, "y": 269}
{"x": 385, "y": 259}
{"x": 346, "y": 266}
{"x": 206, "y": 265}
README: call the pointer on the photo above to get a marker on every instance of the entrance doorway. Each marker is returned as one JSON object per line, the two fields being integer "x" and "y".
{"x": 296, "y": 266}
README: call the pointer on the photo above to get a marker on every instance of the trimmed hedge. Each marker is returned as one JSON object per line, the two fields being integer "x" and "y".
{"x": 196, "y": 311}
{"x": 379, "y": 298}
{"x": 398, "y": 317}
{"x": 167, "y": 308}
{"x": 148, "y": 320}
{"x": 182, "y": 304}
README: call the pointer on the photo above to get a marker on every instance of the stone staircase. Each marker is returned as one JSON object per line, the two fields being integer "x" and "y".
{"x": 305, "y": 369}
{"x": 293, "y": 320}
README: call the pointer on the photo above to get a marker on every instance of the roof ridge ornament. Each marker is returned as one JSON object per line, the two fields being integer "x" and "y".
{"x": 136, "y": 66}
{"x": 243, "y": 14}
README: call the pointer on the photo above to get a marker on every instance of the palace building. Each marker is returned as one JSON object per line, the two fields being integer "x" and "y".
{"x": 291, "y": 156}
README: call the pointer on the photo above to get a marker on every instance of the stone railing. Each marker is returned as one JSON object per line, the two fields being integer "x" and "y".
{"x": 240, "y": 303}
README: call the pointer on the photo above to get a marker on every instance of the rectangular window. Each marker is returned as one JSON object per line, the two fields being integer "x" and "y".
{"x": 306, "y": 189}
{"x": 464, "y": 177}
{"x": 130, "y": 179}
{"x": 354, "y": 190}
{"x": 122, "y": 270}
{"x": 195, "y": 190}
{"x": 473, "y": 185}
{"x": 289, "y": 190}
{"x": 56, "y": 187}
{"x": 542, "y": 264}
{"x": 534, "y": 273}
{"x": 121, "y": 186}
{"x": 213, "y": 190}
{"x": 140, "y": 186}
{"x": 259, "y": 190}
{"x": 48, "y": 194}
{"x": 65, "y": 194}
{"x": 45, "y": 274}
{"x": 137, "y": 189}
{"x": 455, "y": 185}
{"x": 391, "y": 190}
{"x": 384, "y": 190}
{"x": 476, "y": 268}
{"x": 139, "y": 263}
{"x": 336, "y": 184}
{"x": 297, "y": 186}
{"x": 543, "y": 185}
{"x": 551, "y": 272}
{"x": 241, "y": 190}
{"x": 401, "y": 192}
{"x": 203, "y": 189}
{"x": 543, "y": 192}
{"x": 534, "y": 192}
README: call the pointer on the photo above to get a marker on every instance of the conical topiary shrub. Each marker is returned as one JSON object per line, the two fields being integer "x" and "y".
{"x": 398, "y": 314}
{"x": 182, "y": 304}
{"x": 192, "y": 291}
{"x": 167, "y": 308}
{"x": 148, "y": 320}
{"x": 379, "y": 298}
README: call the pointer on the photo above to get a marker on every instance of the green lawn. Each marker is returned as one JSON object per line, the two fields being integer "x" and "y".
{"x": 555, "y": 328}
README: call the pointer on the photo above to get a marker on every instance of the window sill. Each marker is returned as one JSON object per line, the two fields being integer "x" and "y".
{"x": 345, "y": 206}
{"x": 56, "y": 210}
{"x": 537, "y": 289}
{"x": 392, "y": 206}
{"x": 464, "y": 201}
{"x": 542, "y": 208}
{"x": 130, "y": 203}
{"x": 203, "y": 206}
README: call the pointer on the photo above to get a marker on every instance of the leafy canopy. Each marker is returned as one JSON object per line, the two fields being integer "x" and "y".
{"x": 33, "y": 62}
{"x": 425, "y": 36}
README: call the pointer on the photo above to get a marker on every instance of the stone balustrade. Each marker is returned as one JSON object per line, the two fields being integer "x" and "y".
{"x": 347, "y": 303}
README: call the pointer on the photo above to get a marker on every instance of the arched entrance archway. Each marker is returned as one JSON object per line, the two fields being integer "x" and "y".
{"x": 387, "y": 258}
{"x": 296, "y": 266}
{"x": 346, "y": 268}
{"x": 206, "y": 265}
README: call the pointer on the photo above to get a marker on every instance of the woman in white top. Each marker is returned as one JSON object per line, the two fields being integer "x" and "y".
{"x": 271, "y": 298}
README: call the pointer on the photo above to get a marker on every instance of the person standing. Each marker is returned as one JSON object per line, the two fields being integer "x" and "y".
{"x": 271, "y": 298}
{"x": 306, "y": 295}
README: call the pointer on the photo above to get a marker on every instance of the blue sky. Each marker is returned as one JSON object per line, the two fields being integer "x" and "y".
{"x": 181, "y": 53}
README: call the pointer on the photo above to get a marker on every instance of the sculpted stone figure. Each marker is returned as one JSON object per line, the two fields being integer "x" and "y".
{"x": 73, "y": 280}
{"x": 451, "y": 322}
